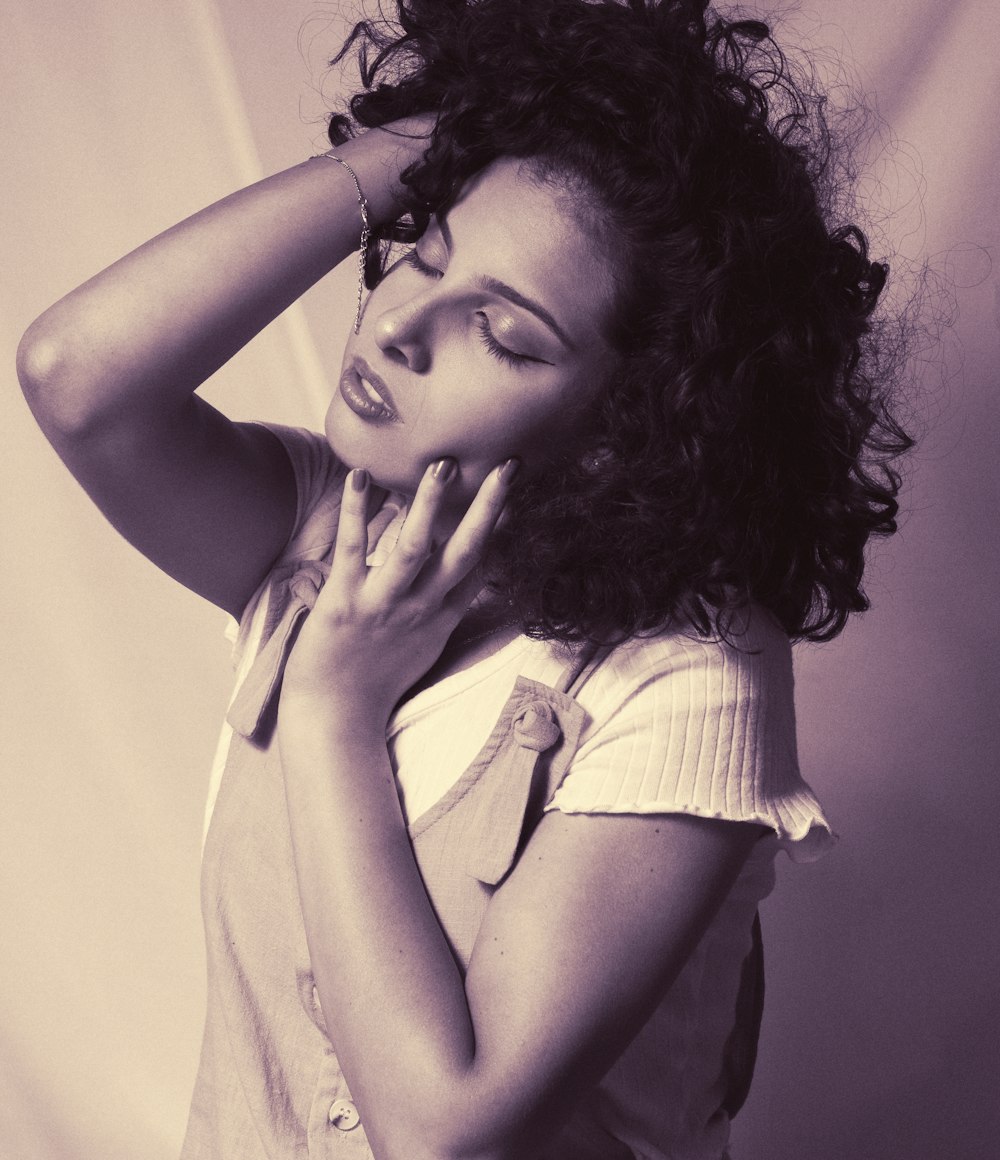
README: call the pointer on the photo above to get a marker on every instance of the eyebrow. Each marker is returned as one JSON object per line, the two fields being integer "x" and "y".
{"x": 495, "y": 286}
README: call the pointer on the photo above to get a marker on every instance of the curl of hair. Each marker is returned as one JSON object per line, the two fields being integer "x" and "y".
{"x": 745, "y": 450}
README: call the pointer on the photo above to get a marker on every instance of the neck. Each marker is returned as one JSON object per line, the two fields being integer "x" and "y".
{"x": 482, "y": 632}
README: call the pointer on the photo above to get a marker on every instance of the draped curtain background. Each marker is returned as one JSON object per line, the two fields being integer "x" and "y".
{"x": 880, "y": 1031}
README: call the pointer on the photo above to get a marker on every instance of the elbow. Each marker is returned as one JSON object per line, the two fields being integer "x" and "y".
{"x": 494, "y": 1151}
{"x": 408, "y": 1149}
{"x": 38, "y": 359}
{"x": 448, "y": 1138}
{"x": 52, "y": 380}
{"x": 480, "y": 1115}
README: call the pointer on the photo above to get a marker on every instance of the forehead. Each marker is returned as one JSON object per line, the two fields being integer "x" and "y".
{"x": 536, "y": 236}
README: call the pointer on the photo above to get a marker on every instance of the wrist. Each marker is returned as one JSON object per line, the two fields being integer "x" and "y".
{"x": 379, "y": 156}
{"x": 343, "y": 723}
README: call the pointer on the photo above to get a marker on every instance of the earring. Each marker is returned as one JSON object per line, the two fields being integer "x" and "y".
{"x": 594, "y": 461}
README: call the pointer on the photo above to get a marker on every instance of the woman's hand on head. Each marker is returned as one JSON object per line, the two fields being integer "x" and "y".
{"x": 380, "y": 155}
{"x": 375, "y": 631}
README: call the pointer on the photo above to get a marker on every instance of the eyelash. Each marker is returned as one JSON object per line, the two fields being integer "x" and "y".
{"x": 499, "y": 352}
{"x": 487, "y": 337}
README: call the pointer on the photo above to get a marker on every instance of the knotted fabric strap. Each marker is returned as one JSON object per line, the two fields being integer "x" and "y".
{"x": 290, "y": 600}
{"x": 534, "y": 727}
{"x": 542, "y": 734}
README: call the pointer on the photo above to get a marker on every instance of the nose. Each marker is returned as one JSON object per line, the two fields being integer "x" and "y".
{"x": 402, "y": 334}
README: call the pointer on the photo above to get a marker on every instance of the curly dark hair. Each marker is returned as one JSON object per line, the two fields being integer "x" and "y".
{"x": 745, "y": 449}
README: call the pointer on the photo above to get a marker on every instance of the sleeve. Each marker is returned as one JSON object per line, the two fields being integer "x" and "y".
{"x": 319, "y": 478}
{"x": 684, "y": 725}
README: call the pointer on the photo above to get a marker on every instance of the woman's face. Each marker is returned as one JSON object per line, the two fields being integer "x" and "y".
{"x": 485, "y": 343}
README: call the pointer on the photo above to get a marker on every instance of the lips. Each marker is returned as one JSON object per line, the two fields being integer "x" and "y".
{"x": 366, "y": 394}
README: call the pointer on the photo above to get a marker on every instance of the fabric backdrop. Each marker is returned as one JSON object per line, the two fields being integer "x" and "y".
{"x": 880, "y": 1032}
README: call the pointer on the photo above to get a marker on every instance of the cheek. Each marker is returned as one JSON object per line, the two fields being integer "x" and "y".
{"x": 549, "y": 422}
{"x": 497, "y": 425}
{"x": 334, "y": 429}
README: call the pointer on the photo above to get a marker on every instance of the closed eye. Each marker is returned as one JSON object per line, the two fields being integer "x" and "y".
{"x": 487, "y": 337}
{"x": 498, "y": 350}
{"x": 414, "y": 259}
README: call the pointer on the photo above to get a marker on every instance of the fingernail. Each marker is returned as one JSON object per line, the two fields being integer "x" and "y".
{"x": 359, "y": 479}
{"x": 444, "y": 470}
{"x": 508, "y": 470}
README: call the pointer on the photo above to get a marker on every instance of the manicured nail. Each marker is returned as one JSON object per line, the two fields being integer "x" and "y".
{"x": 359, "y": 479}
{"x": 444, "y": 470}
{"x": 508, "y": 470}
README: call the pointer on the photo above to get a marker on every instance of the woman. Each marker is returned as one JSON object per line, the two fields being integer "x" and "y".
{"x": 512, "y": 748}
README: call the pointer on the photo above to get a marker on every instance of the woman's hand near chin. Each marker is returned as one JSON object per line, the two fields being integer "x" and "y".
{"x": 375, "y": 631}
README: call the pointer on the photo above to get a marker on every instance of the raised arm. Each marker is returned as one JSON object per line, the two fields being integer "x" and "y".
{"x": 110, "y": 370}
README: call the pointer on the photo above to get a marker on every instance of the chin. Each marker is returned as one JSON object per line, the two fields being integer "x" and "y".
{"x": 382, "y": 475}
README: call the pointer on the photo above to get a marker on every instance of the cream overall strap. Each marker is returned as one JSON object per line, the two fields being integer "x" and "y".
{"x": 588, "y": 659}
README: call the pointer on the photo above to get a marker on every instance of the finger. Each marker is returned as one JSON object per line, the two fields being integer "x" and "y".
{"x": 460, "y": 598}
{"x": 350, "y": 551}
{"x": 416, "y": 540}
{"x": 467, "y": 545}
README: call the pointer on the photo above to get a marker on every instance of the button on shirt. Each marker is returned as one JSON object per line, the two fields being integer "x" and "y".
{"x": 344, "y": 1115}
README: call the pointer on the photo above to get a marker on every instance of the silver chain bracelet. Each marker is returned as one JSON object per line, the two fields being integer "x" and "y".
{"x": 365, "y": 234}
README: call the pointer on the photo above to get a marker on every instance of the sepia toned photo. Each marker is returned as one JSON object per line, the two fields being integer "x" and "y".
{"x": 500, "y": 505}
